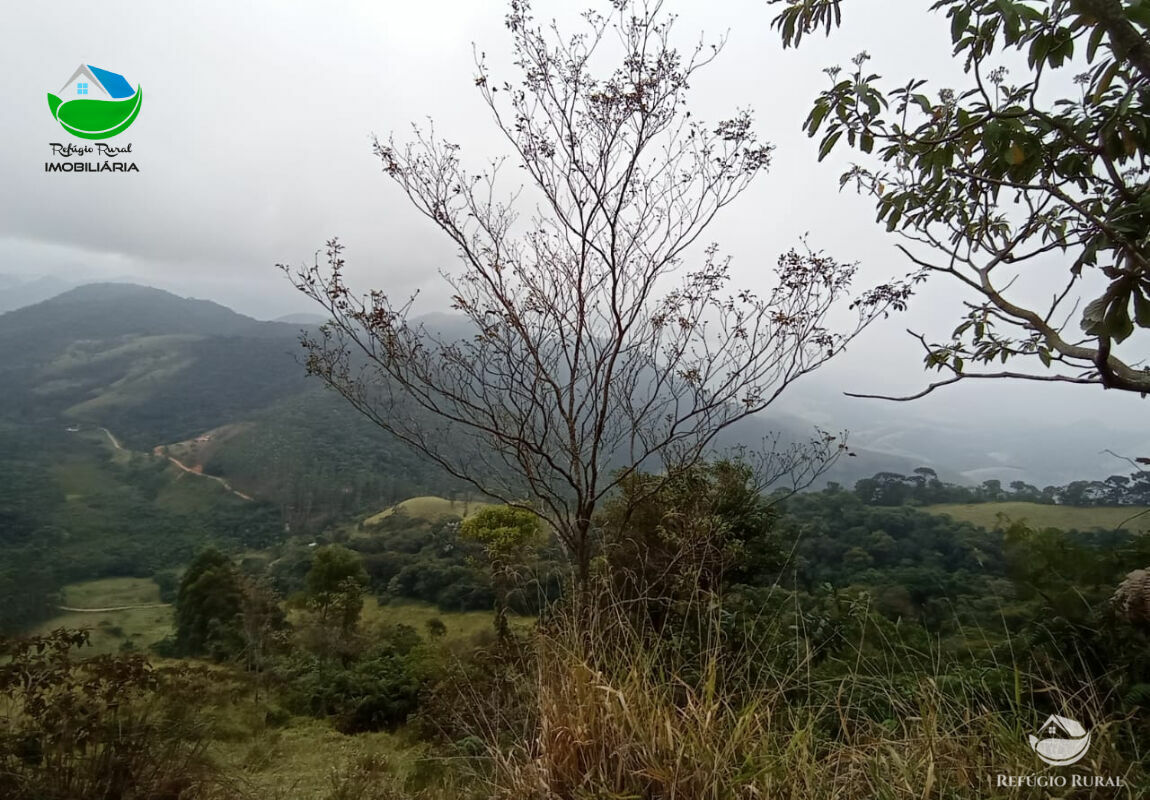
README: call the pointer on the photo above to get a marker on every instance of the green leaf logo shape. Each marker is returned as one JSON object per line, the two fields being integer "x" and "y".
{"x": 92, "y": 117}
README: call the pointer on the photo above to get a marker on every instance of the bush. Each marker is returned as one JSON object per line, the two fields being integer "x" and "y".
{"x": 379, "y": 690}
{"x": 105, "y": 727}
{"x": 169, "y": 582}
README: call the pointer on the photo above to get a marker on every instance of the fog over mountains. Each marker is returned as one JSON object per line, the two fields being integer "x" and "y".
{"x": 17, "y": 291}
{"x": 160, "y": 368}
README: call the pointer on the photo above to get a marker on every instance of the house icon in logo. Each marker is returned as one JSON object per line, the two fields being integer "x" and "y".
{"x": 93, "y": 83}
{"x": 1061, "y": 741}
{"x": 95, "y": 103}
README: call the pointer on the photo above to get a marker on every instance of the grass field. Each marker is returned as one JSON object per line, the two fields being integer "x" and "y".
{"x": 81, "y": 477}
{"x": 429, "y": 508}
{"x": 144, "y": 626}
{"x": 460, "y": 624}
{"x": 1046, "y": 516}
{"x": 111, "y": 629}
{"x": 110, "y": 592}
{"x": 300, "y": 760}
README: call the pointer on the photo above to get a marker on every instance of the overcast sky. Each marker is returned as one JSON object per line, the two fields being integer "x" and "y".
{"x": 253, "y": 145}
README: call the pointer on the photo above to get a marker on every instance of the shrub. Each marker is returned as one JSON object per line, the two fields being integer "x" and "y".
{"x": 98, "y": 728}
{"x": 378, "y": 690}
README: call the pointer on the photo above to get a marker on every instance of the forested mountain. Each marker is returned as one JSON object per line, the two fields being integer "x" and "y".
{"x": 157, "y": 369}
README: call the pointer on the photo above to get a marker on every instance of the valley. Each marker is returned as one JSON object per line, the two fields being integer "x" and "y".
{"x": 146, "y": 431}
{"x": 512, "y": 400}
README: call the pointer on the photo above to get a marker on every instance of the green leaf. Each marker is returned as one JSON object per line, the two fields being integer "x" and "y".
{"x": 1118, "y": 324}
{"x": 98, "y": 119}
{"x": 1093, "y": 315}
{"x": 1039, "y": 48}
{"x": 829, "y": 143}
{"x": 1141, "y": 309}
{"x": 1095, "y": 40}
{"x": 959, "y": 22}
{"x": 892, "y": 222}
{"x": 1105, "y": 80}
{"x": 817, "y": 115}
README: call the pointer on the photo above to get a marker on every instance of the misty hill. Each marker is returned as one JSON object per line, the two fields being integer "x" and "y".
{"x": 970, "y": 446}
{"x": 159, "y": 369}
{"x": 152, "y": 365}
{"x": 109, "y": 311}
{"x": 17, "y": 291}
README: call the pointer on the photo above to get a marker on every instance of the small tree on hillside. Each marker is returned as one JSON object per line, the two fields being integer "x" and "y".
{"x": 708, "y": 526}
{"x": 208, "y": 607}
{"x": 333, "y": 597}
{"x": 262, "y": 623}
{"x": 507, "y": 535}
{"x": 334, "y": 586}
{"x": 1030, "y": 192}
{"x": 591, "y": 351}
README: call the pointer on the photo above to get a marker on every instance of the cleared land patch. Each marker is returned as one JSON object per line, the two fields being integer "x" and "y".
{"x": 458, "y": 624}
{"x": 429, "y": 508}
{"x": 140, "y": 627}
{"x": 1038, "y": 515}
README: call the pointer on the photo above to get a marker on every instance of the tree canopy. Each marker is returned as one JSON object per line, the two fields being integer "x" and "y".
{"x": 1028, "y": 181}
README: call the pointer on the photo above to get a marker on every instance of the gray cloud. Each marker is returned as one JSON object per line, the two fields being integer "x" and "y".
{"x": 254, "y": 147}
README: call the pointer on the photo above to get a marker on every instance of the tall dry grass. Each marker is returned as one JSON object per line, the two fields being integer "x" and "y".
{"x": 622, "y": 708}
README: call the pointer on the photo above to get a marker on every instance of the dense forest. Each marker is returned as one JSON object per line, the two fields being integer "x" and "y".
{"x": 924, "y": 487}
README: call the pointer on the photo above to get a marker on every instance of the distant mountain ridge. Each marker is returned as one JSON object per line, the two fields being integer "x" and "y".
{"x": 17, "y": 291}
{"x": 159, "y": 369}
{"x": 153, "y": 365}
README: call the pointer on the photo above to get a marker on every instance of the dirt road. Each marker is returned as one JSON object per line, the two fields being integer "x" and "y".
{"x": 215, "y": 478}
{"x": 116, "y": 444}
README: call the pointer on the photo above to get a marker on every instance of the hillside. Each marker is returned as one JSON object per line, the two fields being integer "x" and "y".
{"x": 161, "y": 370}
{"x": 151, "y": 366}
{"x": 73, "y": 507}
{"x": 427, "y": 508}
{"x": 221, "y": 392}
{"x": 108, "y": 311}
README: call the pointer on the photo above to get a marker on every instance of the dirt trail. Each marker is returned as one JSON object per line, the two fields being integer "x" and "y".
{"x": 112, "y": 608}
{"x": 215, "y": 478}
{"x": 116, "y": 444}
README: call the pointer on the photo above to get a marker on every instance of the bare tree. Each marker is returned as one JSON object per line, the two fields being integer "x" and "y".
{"x": 593, "y": 351}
